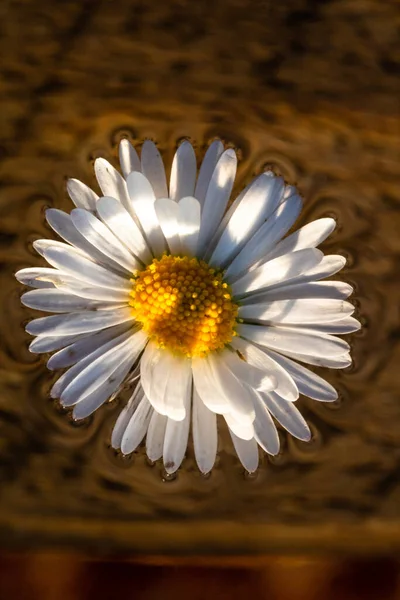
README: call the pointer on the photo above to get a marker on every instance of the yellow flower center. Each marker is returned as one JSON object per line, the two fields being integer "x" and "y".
{"x": 184, "y": 305}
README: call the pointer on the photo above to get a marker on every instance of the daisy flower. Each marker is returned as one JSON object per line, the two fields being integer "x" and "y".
{"x": 209, "y": 310}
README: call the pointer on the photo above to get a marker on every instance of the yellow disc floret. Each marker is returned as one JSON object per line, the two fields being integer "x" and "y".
{"x": 184, "y": 305}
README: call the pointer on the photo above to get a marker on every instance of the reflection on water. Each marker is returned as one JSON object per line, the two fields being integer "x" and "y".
{"x": 96, "y": 75}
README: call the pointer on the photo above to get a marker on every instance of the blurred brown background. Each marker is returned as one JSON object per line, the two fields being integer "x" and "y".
{"x": 309, "y": 87}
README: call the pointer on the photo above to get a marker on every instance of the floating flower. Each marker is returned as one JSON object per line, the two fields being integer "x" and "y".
{"x": 207, "y": 308}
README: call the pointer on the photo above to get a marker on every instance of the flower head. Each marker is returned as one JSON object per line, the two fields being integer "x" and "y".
{"x": 208, "y": 309}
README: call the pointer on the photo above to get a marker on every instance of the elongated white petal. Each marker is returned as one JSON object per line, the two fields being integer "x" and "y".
{"x": 329, "y": 265}
{"x": 58, "y": 301}
{"x": 208, "y": 165}
{"x": 288, "y": 416}
{"x": 78, "y": 322}
{"x": 142, "y": 199}
{"x": 240, "y": 398}
{"x": 90, "y": 403}
{"x": 247, "y": 451}
{"x": 322, "y": 289}
{"x": 48, "y": 343}
{"x": 111, "y": 182}
{"x": 128, "y": 158}
{"x": 175, "y": 440}
{"x": 265, "y": 431}
{"x": 305, "y": 341}
{"x": 69, "y": 261}
{"x": 217, "y": 197}
{"x": 246, "y": 219}
{"x": 204, "y": 383}
{"x": 153, "y": 169}
{"x": 306, "y": 311}
{"x": 167, "y": 212}
{"x": 97, "y": 234}
{"x": 244, "y": 430}
{"x": 178, "y": 388}
{"x": 125, "y": 416}
{"x": 119, "y": 221}
{"x": 286, "y": 386}
{"x": 32, "y": 277}
{"x": 309, "y": 236}
{"x": 102, "y": 367}
{"x": 81, "y": 348}
{"x": 189, "y": 224}
{"x": 266, "y": 237}
{"x": 81, "y": 195}
{"x": 137, "y": 427}
{"x": 42, "y": 245}
{"x": 346, "y": 325}
{"x": 205, "y": 435}
{"x": 82, "y": 289}
{"x": 183, "y": 172}
{"x": 252, "y": 376}
{"x": 309, "y": 384}
{"x": 155, "y": 436}
{"x": 333, "y": 362}
{"x": 155, "y": 367}
{"x": 283, "y": 268}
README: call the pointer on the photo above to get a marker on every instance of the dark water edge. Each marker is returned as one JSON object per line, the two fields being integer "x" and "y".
{"x": 310, "y": 88}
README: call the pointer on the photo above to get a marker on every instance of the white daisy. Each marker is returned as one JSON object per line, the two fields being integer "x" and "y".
{"x": 208, "y": 309}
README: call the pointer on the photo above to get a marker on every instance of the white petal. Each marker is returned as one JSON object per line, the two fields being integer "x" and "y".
{"x": 81, "y": 195}
{"x": 286, "y": 386}
{"x": 32, "y": 277}
{"x": 183, "y": 172}
{"x": 125, "y": 416}
{"x": 204, "y": 383}
{"x": 167, "y": 212}
{"x": 92, "y": 292}
{"x": 347, "y": 325}
{"x": 309, "y": 384}
{"x": 252, "y": 376}
{"x": 247, "y": 451}
{"x": 304, "y": 312}
{"x": 153, "y": 169}
{"x": 108, "y": 388}
{"x": 309, "y": 236}
{"x": 321, "y": 289}
{"x": 283, "y": 268}
{"x": 126, "y": 347}
{"x": 120, "y": 222}
{"x": 265, "y": 431}
{"x": 189, "y": 224}
{"x": 128, "y": 158}
{"x": 81, "y": 348}
{"x": 240, "y": 398}
{"x": 208, "y": 165}
{"x": 305, "y": 341}
{"x": 329, "y": 265}
{"x": 248, "y": 217}
{"x": 78, "y": 322}
{"x": 217, "y": 197}
{"x": 42, "y": 245}
{"x": 244, "y": 430}
{"x": 64, "y": 226}
{"x": 137, "y": 427}
{"x": 48, "y": 343}
{"x": 175, "y": 441}
{"x": 66, "y": 259}
{"x": 278, "y": 224}
{"x": 335, "y": 362}
{"x": 155, "y": 366}
{"x": 97, "y": 234}
{"x": 142, "y": 201}
{"x": 178, "y": 388}
{"x": 288, "y": 416}
{"x": 58, "y": 301}
{"x": 205, "y": 435}
{"x": 111, "y": 182}
{"x": 155, "y": 436}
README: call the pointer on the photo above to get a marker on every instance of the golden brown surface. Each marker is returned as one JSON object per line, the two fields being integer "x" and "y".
{"x": 308, "y": 87}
